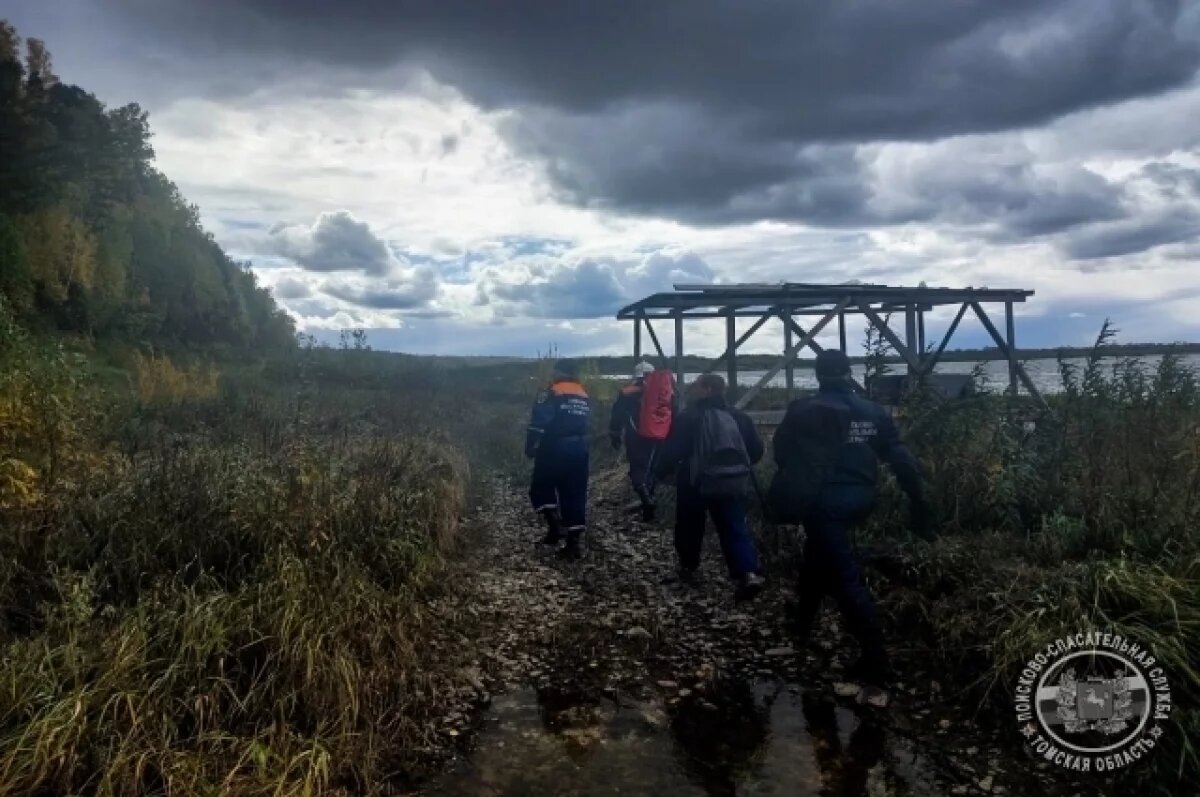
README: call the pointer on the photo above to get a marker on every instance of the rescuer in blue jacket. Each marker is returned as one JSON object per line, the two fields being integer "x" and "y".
{"x": 557, "y": 442}
{"x": 842, "y": 495}
{"x": 640, "y": 451}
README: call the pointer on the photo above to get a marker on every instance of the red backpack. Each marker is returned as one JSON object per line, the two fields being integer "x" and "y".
{"x": 658, "y": 395}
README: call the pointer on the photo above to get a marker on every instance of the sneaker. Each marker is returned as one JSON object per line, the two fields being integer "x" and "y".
{"x": 649, "y": 514}
{"x": 552, "y": 538}
{"x": 748, "y": 586}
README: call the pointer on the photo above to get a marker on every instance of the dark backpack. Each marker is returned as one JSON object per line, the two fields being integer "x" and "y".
{"x": 720, "y": 462}
{"x": 817, "y": 431}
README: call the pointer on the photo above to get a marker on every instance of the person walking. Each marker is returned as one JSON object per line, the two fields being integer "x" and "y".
{"x": 827, "y": 450}
{"x": 557, "y": 442}
{"x": 713, "y": 448}
{"x": 641, "y": 450}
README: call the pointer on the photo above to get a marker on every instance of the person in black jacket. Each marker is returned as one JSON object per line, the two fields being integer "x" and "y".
{"x": 692, "y": 508}
{"x": 640, "y": 451}
{"x": 844, "y": 494}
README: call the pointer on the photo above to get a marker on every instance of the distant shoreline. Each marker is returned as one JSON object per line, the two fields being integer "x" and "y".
{"x": 763, "y": 361}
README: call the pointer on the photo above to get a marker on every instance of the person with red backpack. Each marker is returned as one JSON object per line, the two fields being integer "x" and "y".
{"x": 641, "y": 419}
{"x": 713, "y": 449}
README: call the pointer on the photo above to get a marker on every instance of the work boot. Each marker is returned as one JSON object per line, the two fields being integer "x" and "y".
{"x": 553, "y": 527}
{"x": 748, "y": 587}
{"x": 646, "y": 504}
{"x": 572, "y": 549}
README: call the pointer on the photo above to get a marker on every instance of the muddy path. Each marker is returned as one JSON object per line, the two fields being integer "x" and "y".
{"x": 600, "y": 677}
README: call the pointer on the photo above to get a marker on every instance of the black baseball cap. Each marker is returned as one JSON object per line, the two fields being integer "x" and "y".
{"x": 832, "y": 363}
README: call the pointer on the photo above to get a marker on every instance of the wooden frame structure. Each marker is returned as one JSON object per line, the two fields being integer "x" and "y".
{"x": 826, "y": 304}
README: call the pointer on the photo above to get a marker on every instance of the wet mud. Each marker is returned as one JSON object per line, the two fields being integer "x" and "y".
{"x": 605, "y": 676}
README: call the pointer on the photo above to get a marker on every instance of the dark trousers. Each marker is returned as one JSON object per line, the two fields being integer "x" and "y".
{"x": 832, "y": 568}
{"x": 642, "y": 453}
{"x": 729, "y": 516}
{"x": 560, "y": 481}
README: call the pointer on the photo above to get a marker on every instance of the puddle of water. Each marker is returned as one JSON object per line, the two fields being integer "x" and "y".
{"x": 754, "y": 739}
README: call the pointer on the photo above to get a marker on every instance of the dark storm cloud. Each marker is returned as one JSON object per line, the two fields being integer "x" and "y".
{"x": 719, "y": 111}
{"x": 415, "y": 290}
{"x": 291, "y": 288}
{"x": 1133, "y": 235}
{"x": 816, "y": 70}
{"x": 591, "y": 288}
{"x": 1163, "y": 201}
{"x": 716, "y": 111}
{"x": 336, "y": 241}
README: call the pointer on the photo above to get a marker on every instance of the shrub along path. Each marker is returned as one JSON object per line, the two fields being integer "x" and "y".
{"x": 603, "y": 651}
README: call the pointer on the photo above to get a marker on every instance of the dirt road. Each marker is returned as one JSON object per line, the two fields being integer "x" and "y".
{"x": 599, "y": 677}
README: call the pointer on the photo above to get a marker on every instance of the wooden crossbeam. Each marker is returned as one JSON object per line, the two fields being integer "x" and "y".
{"x": 654, "y": 339}
{"x": 790, "y": 354}
{"x": 891, "y": 336}
{"x": 1007, "y": 352}
{"x": 932, "y": 362}
{"x": 818, "y": 348}
{"x": 731, "y": 350}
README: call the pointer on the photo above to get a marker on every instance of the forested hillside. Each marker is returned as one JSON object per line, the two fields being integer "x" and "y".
{"x": 93, "y": 239}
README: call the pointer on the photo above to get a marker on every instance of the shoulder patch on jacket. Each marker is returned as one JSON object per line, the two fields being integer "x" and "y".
{"x": 568, "y": 389}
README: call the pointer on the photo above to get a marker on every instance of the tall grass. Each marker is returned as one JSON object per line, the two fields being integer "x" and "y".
{"x": 1082, "y": 517}
{"x": 219, "y": 590}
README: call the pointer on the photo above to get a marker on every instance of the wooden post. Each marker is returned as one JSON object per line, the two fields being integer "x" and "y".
{"x": 1011, "y": 336}
{"x": 637, "y": 341}
{"x": 910, "y": 336}
{"x": 842, "y": 331}
{"x": 745, "y": 336}
{"x": 679, "y": 348}
{"x": 789, "y": 370}
{"x": 731, "y": 345}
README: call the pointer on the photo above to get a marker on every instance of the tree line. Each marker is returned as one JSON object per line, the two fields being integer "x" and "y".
{"x": 94, "y": 239}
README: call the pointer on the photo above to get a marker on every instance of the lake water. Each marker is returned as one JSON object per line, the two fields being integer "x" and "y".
{"x": 1044, "y": 373}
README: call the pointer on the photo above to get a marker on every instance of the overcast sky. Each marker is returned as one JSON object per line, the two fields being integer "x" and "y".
{"x": 495, "y": 177}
